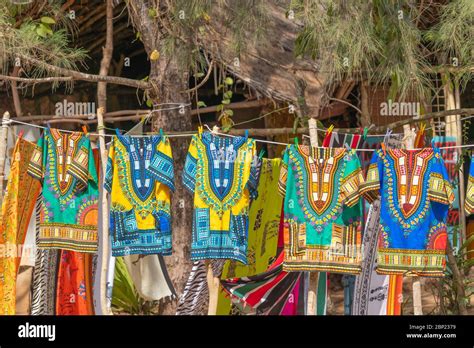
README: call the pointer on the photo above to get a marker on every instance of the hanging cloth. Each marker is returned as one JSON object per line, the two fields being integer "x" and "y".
{"x": 264, "y": 222}
{"x": 63, "y": 162}
{"x": 150, "y": 277}
{"x": 17, "y": 208}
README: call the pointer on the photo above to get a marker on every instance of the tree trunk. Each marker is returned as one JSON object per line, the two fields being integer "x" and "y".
{"x": 168, "y": 82}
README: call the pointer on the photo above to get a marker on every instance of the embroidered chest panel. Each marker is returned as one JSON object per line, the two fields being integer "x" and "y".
{"x": 406, "y": 184}
{"x": 133, "y": 157}
{"x": 222, "y": 169}
{"x": 318, "y": 174}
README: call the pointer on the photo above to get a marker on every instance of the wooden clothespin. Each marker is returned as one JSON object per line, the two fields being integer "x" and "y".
{"x": 262, "y": 152}
{"x": 20, "y": 135}
{"x": 296, "y": 141}
{"x": 246, "y": 134}
{"x": 84, "y": 129}
{"x": 200, "y": 131}
{"x": 161, "y": 133}
{"x": 117, "y": 132}
{"x": 48, "y": 125}
{"x": 215, "y": 129}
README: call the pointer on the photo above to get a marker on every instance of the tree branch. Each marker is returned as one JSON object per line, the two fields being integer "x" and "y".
{"x": 77, "y": 75}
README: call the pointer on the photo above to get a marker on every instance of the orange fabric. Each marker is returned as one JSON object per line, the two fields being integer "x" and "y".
{"x": 74, "y": 283}
{"x": 74, "y": 295}
{"x": 17, "y": 207}
{"x": 394, "y": 302}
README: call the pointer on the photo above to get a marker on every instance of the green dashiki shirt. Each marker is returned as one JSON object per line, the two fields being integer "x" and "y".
{"x": 65, "y": 165}
{"x": 322, "y": 209}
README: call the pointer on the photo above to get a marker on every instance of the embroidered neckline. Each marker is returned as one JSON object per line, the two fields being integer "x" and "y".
{"x": 410, "y": 168}
{"x": 308, "y": 188}
{"x": 208, "y": 176}
{"x": 143, "y": 201}
{"x": 64, "y": 147}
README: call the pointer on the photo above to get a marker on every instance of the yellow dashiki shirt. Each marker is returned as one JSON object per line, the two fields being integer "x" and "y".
{"x": 322, "y": 209}
{"x": 68, "y": 217}
{"x": 469, "y": 205}
{"x": 140, "y": 178}
{"x": 221, "y": 173}
{"x": 415, "y": 195}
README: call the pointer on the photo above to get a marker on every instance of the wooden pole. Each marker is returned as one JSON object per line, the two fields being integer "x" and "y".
{"x": 3, "y": 149}
{"x": 104, "y": 238}
{"x": 409, "y": 141}
{"x": 313, "y": 276}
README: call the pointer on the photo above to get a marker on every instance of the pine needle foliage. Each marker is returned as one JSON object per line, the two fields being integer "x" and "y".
{"x": 386, "y": 41}
{"x": 37, "y": 31}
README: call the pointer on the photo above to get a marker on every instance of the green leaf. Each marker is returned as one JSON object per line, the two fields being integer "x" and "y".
{"x": 47, "y": 20}
{"x": 152, "y": 13}
{"x": 228, "y": 95}
{"x": 43, "y": 30}
{"x": 198, "y": 75}
{"x": 229, "y": 81}
{"x": 226, "y": 101}
{"x": 201, "y": 104}
{"x": 229, "y": 112}
{"x": 149, "y": 103}
{"x": 219, "y": 107}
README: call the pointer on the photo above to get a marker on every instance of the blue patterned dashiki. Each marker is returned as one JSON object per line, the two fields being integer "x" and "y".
{"x": 140, "y": 178}
{"x": 222, "y": 174}
{"x": 415, "y": 195}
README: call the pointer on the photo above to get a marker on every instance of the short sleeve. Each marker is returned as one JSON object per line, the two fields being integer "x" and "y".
{"x": 370, "y": 188}
{"x": 109, "y": 172}
{"x": 469, "y": 205}
{"x": 352, "y": 181}
{"x": 38, "y": 160}
{"x": 82, "y": 166}
{"x": 161, "y": 165}
{"x": 255, "y": 170}
{"x": 190, "y": 166}
{"x": 283, "y": 173}
{"x": 440, "y": 189}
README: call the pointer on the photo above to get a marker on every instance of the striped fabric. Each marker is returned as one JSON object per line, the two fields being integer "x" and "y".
{"x": 265, "y": 293}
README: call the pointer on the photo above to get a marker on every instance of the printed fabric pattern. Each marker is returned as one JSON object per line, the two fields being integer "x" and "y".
{"x": 322, "y": 209}
{"x": 469, "y": 205}
{"x": 221, "y": 173}
{"x": 64, "y": 164}
{"x": 140, "y": 179}
{"x": 415, "y": 195}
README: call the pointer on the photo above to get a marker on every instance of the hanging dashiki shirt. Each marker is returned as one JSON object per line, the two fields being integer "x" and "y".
{"x": 469, "y": 205}
{"x": 17, "y": 208}
{"x": 415, "y": 195}
{"x": 221, "y": 174}
{"x": 140, "y": 178}
{"x": 65, "y": 165}
{"x": 322, "y": 209}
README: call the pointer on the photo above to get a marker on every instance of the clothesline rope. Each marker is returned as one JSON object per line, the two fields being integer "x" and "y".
{"x": 6, "y": 123}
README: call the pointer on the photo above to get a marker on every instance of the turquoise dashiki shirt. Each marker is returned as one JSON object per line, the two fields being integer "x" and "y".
{"x": 65, "y": 164}
{"x": 415, "y": 195}
{"x": 221, "y": 173}
{"x": 322, "y": 209}
{"x": 469, "y": 205}
{"x": 140, "y": 176}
